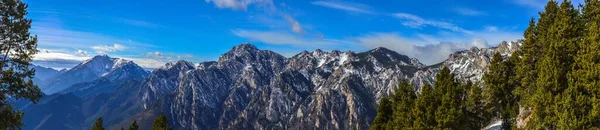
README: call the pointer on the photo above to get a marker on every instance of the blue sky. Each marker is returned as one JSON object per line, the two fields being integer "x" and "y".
{"x": 153, "y": 32}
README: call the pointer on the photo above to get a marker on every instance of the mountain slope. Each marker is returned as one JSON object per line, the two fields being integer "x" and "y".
{"x": 248, "y": 88}
{"x": 89, "y": 70}
{"x": 124, "y": 71}
{"x": 470, "y": 64}
{"x": 43, "y": 73}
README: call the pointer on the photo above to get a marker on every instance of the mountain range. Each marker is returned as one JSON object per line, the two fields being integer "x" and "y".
{"x": 246, "y": 88}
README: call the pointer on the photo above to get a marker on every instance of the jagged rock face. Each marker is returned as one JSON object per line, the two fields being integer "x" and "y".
{"x": 164, "y": 81}
{"x": 471, "y": 64}
{"x": 250, "y": 88}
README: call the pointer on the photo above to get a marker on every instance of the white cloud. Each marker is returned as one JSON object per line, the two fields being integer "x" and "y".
{"x": 155, "y": 55}
{"x": 103, "y": 49}
{"x": 270, "y": 9}
{"x": 81, "y": 53}
{"x": 238, "y": 4}
{"x": 469, "y": 12}
{"x": 139, "y": 23}
{"x": 52, "y": 35}
{"x": 157, "y": 59}
{"x": 58, "y": 59}
{"x": 420, "y": 48}
{"x": 295, "y": 25}
{"x": 414, "y": 21}
{"x": 146, "y": 62}
{"x": 345, "y": 6}
{"x": 491, "y": 28}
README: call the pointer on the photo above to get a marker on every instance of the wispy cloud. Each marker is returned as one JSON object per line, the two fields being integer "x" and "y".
{"x": 238, "y": 4}
{"x": 155, "y": 55}
{"x": 157, "y": 59}
{"x": 469, "y": 12}
{"x": 345, "y": 6}
{"x": 140, "y": 23}
{"x": 414, "y": 21}
{"x": 296, "y": 27}
{"x": 58, "y": 59}
{"x": 103, "y": 49}
{"x": 53, "y": 35}
{"x": 538, "y": 5}
{"x": 82, "y": 53}
{"x": 269, "y": 8}
{"x": 61, "y": 59}
{"x": 491, "y": 28}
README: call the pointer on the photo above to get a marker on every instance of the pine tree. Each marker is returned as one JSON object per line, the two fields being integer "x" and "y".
{"x": 17, "y": 48}
{"x": 477, "y": 111}
{"x": 552, "y": 106}
{"x": 161, "y": 123}
{"x": 585, "y": 77}
{"x": 540, "y": 101}
{"x": 98, "y": 125}
{"x": 384, "y": 115}
{"x": 133, "y": 126}
{"x": 122, "y": 128}
{"x": 424, "y": 109}
{"x": 500, "y": 85}
{"x": 403, "y": 101}
{"x": 526, "y": 69}
{"x": 449, "y": 114}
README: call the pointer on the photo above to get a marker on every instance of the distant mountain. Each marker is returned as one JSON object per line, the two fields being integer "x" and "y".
{"x": 89, "y": 70}
{"x": 249, "y": 88}
{"x": 74, "y": 106}
{"x": 123, "y": 72}
{"x": 54, "y": 112}
{"x": 43, "y": 73}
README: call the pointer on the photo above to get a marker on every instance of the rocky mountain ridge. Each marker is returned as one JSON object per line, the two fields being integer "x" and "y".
{"x": 249, "y": 88}
{"x": 89, "y": 70}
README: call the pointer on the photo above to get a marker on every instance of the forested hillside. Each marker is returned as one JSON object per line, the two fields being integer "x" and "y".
{"x": 552, "y": 82}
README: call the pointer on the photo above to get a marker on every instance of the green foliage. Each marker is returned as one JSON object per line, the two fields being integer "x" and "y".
{"x": 384, "y": 115}
{"x": 402, "y": 102}
{"x": 161, "y": 123}
{"x": 500, "y": 84}
{"x": 98, "y": 125}
{"x": 449, "y": 115}
{"x": 133, "y": 126}
{"x": 15, "y": 57}
{"x": 555, "y": 78}
{"x": 448, "y": 105}
{"x": 559, "y": 67}
{"x": 424, "y": 110}
{"x": 478, "y": 112}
